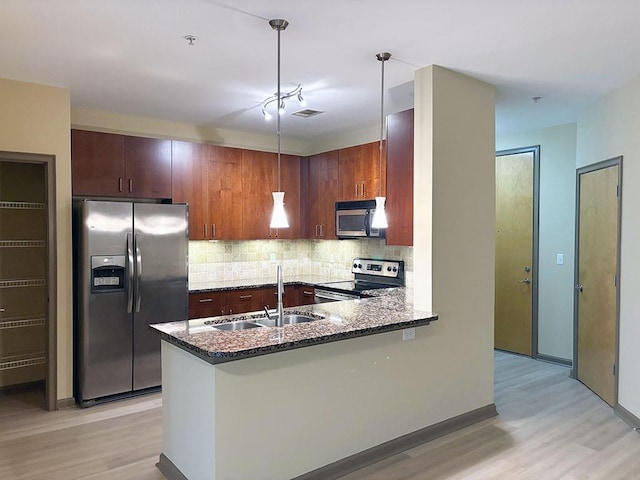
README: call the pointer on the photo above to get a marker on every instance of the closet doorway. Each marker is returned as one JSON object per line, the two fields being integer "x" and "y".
{"x": 27, "y": 276}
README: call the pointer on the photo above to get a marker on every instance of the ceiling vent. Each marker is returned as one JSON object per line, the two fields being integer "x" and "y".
{"x": 307, "y": 112}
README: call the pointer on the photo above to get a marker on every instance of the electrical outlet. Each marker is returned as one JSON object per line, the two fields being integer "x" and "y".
{"x": 408, "y": 334}
{"x": 560, "y": 258}
{"x": 272, "y": 257}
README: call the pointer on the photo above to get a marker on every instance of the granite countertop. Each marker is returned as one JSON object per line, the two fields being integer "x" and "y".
{"x": 222, "y": 285}
{"x": 392, "y": 309}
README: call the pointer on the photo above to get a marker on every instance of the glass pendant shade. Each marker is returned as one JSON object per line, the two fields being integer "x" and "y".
{"x": 279, "y": 216}
{"x": 380, "y": 216}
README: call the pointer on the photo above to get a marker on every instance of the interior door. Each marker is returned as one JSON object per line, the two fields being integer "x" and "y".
{"x": 597, "y": 277}
{"x": 514, "y": 264}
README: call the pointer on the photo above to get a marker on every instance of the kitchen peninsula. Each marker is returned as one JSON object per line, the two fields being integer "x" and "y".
{"x": 278, "y": 402}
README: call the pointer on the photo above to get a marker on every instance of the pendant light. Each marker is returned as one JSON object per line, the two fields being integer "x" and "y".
{"x": 380, "y": 216}
{"x": 279, "y": 216}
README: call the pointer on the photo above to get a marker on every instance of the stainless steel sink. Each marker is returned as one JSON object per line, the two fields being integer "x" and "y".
{"x": 261, "y": 322}
{"x": 288, "y": 319}
{"x": 297, "y": 318}
{"x": 240, "y": 325}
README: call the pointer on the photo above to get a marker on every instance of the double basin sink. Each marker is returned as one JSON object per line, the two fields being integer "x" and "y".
{"x": 260, "y": 322}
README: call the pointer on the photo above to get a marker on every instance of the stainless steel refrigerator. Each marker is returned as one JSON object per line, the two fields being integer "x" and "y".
{"x": 131, "y": 271}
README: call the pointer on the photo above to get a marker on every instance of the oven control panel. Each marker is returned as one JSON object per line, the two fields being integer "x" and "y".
{"x": 379, "y": 268}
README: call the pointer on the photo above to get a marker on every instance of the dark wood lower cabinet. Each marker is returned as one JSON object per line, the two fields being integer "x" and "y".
{"x": 242, "y": 301}
{"x": 289, "y": 298}
{"x": 306, "y": 295}
{"x": 231, "y": 302}
{"x": 211, "y": 304}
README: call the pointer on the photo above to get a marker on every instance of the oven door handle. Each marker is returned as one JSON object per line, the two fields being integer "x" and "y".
{"x": 335, "y": 296}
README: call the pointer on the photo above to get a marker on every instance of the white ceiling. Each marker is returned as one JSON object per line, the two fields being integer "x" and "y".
{"x": 129, "y": 56}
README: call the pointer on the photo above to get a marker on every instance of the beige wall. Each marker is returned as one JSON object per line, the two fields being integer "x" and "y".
{"x": 454, "y": 228}
{"x": 607, "y": 129}
{"x": 556, "y": 233}
{"x": 102, "y": 121}
{"x": 35, "y": 119}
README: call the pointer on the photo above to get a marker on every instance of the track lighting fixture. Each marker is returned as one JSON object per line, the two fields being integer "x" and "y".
{"x": 296, "y": 92}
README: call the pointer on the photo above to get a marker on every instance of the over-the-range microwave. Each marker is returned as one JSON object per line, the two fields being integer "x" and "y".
{"x": 353, "y": 219}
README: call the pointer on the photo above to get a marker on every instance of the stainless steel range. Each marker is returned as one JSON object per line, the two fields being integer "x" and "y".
{"x": 369, "y": 274}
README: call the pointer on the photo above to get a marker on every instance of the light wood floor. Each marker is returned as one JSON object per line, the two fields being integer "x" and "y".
{"x": 549, "y": 427}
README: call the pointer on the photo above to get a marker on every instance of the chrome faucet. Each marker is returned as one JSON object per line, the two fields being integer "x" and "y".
{"x": 279, "y": 311}
{"x": 280, "y": 288}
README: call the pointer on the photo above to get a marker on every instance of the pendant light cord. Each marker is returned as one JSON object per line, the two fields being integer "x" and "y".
{"x": 278, "y": 24}
{"x": 383, "y": 56}
{"x": 381, "y": 122}
{"x": 278, "y": 119}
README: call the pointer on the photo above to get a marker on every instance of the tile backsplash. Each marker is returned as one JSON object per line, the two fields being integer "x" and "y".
{"x": 256, "y": 259}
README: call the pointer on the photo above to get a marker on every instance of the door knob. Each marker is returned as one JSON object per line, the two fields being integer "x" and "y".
{"x": 526, "y": 281}
{"x": 579, "y": 287}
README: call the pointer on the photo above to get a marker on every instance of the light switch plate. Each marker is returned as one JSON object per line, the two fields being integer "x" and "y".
{"x": 408, "y": 334}
{"x": 272, "y": 257}
{"x": 560, "y": 258}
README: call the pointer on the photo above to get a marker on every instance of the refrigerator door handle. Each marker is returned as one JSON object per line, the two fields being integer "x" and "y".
{"x": 138, "y": 273}
{"x": 129, "y": 269}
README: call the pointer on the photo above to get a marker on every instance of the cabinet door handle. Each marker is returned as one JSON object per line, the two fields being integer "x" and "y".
{"x": 356, "y": 190}
{"x": 363, "y": 194}
{"x": 213, "y": 230}
{"x": 2, "y": 310}
{"x": 205, "y": 230}
{"x": 306, "y": 292}
{"x": 245, "y": 297}
{"x": 322, "y": 230}
{"x": 120, "y": 184}
{"x": 130, "y": 185}
{"x": 205, "y": 300}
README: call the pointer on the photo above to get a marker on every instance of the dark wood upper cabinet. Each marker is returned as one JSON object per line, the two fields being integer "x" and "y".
{"x": 360, "y": 172}
{"x": 224, "y": 193}
{"x": 322, "y": 191}
{"x": 399, "y": 204}
{"x": 110, "y": 165}
{"x": 208, "y": 178}
{"x": 290, "y": 184}
{"x": 229, "y": 191}
{"x": 147, "y": 167}
{"x": 97, "y": 164}
{"x": 189, "y": 179}
{"x": 259, "y": 179}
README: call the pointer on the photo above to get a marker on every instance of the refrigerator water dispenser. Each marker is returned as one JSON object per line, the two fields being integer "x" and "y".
{"x": 107, "y": 273}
